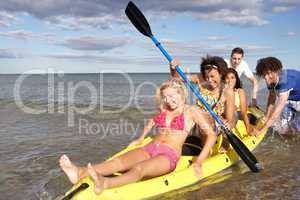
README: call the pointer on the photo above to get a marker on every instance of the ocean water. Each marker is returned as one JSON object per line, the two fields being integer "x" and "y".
{"x": 92, "y": 116}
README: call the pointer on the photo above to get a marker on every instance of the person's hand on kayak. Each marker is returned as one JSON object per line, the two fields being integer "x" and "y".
{"x": 256, "y": 132}
{"x": 254, "y": 103}
{"x": 197, "y": 169}
{"x": 250, "y": 131}
{"x": 226, "y": 123}
{"x": 136, "y": 142}
{"x": 263, "y": 119}
{"x": 174, "y": 63}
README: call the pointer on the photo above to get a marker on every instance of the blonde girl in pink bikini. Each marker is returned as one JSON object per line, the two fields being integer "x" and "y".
{"x": 175, "y": 119}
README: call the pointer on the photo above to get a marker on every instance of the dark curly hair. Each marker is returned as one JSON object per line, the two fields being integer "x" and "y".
{"x": 268, "y": 64}
{"x": 213, "y": 62}
{"x": 238, "y": 84}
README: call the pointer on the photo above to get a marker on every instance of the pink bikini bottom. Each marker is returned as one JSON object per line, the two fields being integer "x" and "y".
{"x": 156, "y": 149}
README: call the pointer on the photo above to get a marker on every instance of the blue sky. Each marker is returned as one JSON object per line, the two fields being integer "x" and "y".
{"x": 92, "y": 36}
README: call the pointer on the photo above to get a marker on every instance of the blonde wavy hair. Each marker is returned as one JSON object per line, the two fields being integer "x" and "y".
{"x": 175, "y": 83}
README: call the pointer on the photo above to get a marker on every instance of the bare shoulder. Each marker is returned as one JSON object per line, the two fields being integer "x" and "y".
{"x": 228, "y": 91}
{"x": 193, "y": 110}
{"x": 241, "y": 91}
{"x": 188, "y": 108}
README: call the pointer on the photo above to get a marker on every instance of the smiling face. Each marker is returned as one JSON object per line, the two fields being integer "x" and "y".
{"x": 172, "y": 98}
{"x": 213, "y": 77}
{"x": 230, "y": 80}
{"x": 271, "y": 77}
{"x": 236, "y": 59}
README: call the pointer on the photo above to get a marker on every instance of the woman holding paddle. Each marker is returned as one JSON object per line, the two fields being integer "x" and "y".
{"x": 175, "y": 120}
{"x": 211, "y": 84}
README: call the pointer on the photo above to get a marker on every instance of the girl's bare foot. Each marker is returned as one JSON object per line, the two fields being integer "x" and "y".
{"x": 98, "y": 180}
{"x": 71, "y": 170}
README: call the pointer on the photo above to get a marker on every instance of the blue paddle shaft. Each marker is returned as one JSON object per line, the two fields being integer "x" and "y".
{"x": 188, "y": 82}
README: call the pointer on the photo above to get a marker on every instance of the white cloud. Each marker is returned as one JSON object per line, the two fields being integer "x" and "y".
{"x": 68, "y": 55}
{"x": 28, "y": 35}
{"x": 198, "y": 49}
{"x": 94, "y": 44}
{"x": 86, "y": 43}
{"x": 291, "y": 33}
{"x": 82, "y": 14}
{"x": 82, "y": 23}
{"x": 9, "y": 53}
{"x": 217, "y": 37}
{"x": 282, "y": 6}
{"x": 245, "y": 13}
{"x": 6, "y": 19}
{"x": 243, "y": 17}
{"x": 115, "y": 60}
{"x": 291, "y": 2}
{"x": 281, "y": 9}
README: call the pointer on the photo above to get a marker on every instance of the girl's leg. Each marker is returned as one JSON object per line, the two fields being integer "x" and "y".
{"x": 148, "y": 168}
{"x": 120, "y": 163}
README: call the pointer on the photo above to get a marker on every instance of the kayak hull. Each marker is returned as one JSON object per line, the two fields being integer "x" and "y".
{"x": 181, "y": 177}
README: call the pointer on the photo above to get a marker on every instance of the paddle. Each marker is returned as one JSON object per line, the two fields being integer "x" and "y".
{"x": 82, "y": 187}
{"x": 140, "y": 22}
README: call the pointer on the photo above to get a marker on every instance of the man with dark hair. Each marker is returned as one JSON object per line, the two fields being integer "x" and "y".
{"x": 284, "y": 85}
{"x": 238, "y": 63}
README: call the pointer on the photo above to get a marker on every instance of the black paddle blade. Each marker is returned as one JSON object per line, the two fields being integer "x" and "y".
{"x": 241, "y": 149}
{"x": 82, "y": 187}
{"x": 138, "y": 19}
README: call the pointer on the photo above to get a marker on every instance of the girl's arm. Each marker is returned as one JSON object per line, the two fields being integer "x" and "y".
{"x": 230, "y": 108}
{"x": 254, "y": 90}
{"x": 271, "y": 102}
{"x": 243, "y": 109}
{"x": 283, "y": 97}
{"x": 199, "y": 118}
{"x": 145, "y": 131}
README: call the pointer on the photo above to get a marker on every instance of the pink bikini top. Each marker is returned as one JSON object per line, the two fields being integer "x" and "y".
{"x": 177, "y": 122}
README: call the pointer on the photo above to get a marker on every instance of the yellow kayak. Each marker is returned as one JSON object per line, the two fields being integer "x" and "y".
{"x": 182, "y": 176}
